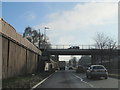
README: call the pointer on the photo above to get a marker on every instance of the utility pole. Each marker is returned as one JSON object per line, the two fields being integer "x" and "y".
{"x": 39, "y": 38}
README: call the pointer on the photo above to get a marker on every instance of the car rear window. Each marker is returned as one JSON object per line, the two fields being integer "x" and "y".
{"x": 98, "y": 67}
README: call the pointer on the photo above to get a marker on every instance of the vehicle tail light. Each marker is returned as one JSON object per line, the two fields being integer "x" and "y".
{"x": 92, "y": 70}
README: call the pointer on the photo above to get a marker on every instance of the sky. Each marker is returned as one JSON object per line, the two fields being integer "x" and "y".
{"x": 70, "y": 23}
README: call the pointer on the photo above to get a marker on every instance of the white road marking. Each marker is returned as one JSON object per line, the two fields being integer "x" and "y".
{"x": 35, "y": 86}
{"x": 83, "y": 81}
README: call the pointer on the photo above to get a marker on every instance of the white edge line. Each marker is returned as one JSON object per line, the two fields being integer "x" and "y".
{"x": 41, "y": 82}
{"x": 83, "y": 81}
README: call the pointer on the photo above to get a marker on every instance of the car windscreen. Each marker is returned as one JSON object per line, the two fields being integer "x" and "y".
{"x": 98, "y": 67}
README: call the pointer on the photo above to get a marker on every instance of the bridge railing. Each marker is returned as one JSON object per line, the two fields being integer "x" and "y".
{"x": 80, "y": 47}
{"x": 68, "y": 46}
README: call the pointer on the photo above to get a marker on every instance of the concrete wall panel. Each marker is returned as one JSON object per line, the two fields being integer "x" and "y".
{"x": 17, "y": 60}
{"x": 12, "y": 54}
{"x": 0, "y": 26}
{"x": 4, "y": 57}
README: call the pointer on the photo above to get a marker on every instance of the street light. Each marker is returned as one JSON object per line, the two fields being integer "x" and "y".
{"x": 45, "y": 35}
{"x": 39, "y": 38}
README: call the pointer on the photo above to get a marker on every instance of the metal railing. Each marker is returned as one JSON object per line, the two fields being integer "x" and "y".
{"x": 68, "y": 46}
{"x": 80, "y": 46}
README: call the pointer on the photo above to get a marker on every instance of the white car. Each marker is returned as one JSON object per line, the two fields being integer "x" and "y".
{"x": 97, "y": 71}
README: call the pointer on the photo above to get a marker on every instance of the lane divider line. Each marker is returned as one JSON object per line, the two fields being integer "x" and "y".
{"x": 83, "y": 80}
{"x": 35, "y": 86}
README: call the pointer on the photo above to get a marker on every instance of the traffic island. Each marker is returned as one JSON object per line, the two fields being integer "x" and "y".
{"x": 27, "y": 81}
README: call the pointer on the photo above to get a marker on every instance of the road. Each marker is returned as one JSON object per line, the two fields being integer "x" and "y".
{"x": 70, "y": 79}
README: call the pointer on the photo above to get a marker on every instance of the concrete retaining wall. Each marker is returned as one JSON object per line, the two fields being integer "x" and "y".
{"x": 19, "y": 56}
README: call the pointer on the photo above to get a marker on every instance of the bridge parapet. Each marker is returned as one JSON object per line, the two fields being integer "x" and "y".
{"x": 79, "y": 47}
{"x": 68, "y": 46}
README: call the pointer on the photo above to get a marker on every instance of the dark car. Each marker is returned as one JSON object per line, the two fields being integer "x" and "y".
{"x": 70, "y": 68}
{"x": 80, "y": 69}
{"x": 74, "y": 47}
{"x": 97, "y": 71}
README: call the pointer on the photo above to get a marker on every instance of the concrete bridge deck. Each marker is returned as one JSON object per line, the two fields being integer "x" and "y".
{"x": 82, "y": 52}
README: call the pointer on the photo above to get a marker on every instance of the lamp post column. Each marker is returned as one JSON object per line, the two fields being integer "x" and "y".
{"x": 39, "y": 38}
{"x": 45, "y": 36}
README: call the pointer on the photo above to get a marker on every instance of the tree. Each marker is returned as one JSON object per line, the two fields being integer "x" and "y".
{"x": 36, "y": 38}
{"x": 74, "y": 61}
{"x": 85, "y": 60}
{"x": 103, "y": 41}
{"x": 27, "y": 31}
{"x": 111, "y": 44}
{"x": 70, "y": 63}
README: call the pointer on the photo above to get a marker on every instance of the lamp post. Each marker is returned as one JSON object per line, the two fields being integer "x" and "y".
{"x": 45, "y": 36}
{"x": 39, "y": 38}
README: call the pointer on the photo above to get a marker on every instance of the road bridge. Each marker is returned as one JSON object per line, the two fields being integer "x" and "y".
{"x": 81, "y": 51}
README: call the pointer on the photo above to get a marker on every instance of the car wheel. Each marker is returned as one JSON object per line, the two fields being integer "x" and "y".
{"x": 106, "y": 77}
{"x": 87, "y": 76}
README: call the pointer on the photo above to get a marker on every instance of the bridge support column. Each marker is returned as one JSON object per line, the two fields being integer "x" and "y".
{"x": 56, "y": 57}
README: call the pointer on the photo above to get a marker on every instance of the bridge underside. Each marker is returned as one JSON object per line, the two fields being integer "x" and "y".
{"x": 82, "y": 52}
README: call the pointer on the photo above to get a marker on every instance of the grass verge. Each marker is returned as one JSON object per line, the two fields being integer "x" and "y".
{"x": 26, "y": 81}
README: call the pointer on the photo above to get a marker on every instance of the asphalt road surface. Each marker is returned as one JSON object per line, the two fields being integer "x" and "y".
{"x": 71, "y": 79}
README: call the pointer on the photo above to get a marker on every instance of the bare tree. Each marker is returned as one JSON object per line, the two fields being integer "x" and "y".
{"x": 111, "y": 44}
{"x": 103, "y": 41}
